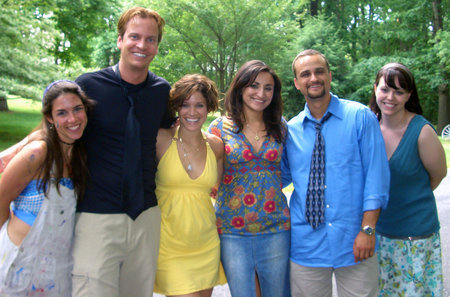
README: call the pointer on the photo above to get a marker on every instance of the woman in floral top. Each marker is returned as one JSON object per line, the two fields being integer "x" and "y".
{"x": 252, "y": 211}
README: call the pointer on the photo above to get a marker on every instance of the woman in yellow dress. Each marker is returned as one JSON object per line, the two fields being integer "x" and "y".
{"x": 190, "y": 164}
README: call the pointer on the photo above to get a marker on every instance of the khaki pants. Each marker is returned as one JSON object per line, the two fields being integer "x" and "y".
{"x": 115, "y": 256}
{"x": 360, "y": 280}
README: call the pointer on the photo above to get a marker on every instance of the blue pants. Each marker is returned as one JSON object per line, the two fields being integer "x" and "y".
{"x": 267, "y": 255}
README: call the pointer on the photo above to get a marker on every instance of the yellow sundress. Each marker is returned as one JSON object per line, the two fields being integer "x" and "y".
{"x": 189, "y": 252}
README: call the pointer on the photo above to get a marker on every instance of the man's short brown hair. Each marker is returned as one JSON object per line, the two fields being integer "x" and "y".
{"x": 309, "y": 52}
{"x": 141, "y": 12}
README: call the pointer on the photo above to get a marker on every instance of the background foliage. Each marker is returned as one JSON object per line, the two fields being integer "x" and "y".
{"x": 51, "y": 39}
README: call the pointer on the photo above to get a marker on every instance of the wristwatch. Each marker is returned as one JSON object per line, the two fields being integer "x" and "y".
{"x": 368, "y": 230}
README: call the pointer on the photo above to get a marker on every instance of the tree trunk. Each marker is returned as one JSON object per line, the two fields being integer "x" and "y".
{"x": 3, "y": 104}
{"x": 313, "y": 7}
{"x": 437, "y": 16}
{"x": 444, "y": 105}
{"x": 444, "y": 108}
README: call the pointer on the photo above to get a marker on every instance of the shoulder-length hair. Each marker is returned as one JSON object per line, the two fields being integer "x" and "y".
{"x": 190, "y": 84}
{"x": 234, "y": 105}
{"x": 389, "y": 73}
{"x": 53, "y": 166}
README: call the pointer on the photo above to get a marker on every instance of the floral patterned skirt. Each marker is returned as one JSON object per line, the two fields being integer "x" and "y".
{"x": 410, "y": 267}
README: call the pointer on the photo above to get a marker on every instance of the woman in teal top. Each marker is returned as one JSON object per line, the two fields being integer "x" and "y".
{"x": 408, "y": 229}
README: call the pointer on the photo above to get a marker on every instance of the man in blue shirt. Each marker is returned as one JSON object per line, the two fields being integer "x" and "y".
{"x": 356, "y": 187}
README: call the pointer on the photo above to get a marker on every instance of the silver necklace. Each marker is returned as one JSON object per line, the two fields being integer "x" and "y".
{"x": 186, "y": 154}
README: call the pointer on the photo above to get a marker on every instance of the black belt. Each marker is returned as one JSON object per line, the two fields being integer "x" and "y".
{"x": 411, "y": 238}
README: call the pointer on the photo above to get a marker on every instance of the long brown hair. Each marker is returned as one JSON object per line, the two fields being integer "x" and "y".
{"x": 53, "y": 166}
{"x": 234, "y": 105}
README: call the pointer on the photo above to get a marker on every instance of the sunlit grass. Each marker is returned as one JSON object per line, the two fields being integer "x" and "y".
{"x": 24, "y": 115}
{"x": 446, "y": 145}
{"x": 211, "y": 117}
{"x": 24, "y": 105}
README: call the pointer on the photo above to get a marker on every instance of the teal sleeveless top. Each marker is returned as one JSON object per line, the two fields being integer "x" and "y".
{"x": 411, "y": 210}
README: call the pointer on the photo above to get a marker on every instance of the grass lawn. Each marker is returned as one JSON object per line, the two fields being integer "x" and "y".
{"x": 24, "y": 116}
{"x": 446, "y": 144}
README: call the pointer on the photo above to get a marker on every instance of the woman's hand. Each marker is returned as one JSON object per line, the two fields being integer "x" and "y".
{"x": 213, "y": 192}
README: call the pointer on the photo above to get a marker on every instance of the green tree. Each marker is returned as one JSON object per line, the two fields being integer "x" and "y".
{"x": 105, "y": 52}
{"x": 30, "y": 44}
{"x": 375, "y": 32}
{"x": 80, "y": 22}
{"x": 404, "y": 32}
{"x": 24, "y": 60}
{"x": 215, "y": 37}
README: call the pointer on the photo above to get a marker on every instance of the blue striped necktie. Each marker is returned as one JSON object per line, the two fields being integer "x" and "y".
{"x": 316, "y": 186}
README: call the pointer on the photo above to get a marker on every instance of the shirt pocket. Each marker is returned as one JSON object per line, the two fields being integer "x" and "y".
{"x": 18, "y": 277}
{"x": 16, "y": 266}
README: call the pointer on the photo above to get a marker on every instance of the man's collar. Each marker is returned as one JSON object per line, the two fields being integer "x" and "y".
{"x": 333, "y": 108}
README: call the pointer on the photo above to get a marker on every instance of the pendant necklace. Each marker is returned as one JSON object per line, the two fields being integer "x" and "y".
{"x": 186, "y": 154}
{"x": 257, "y": 138}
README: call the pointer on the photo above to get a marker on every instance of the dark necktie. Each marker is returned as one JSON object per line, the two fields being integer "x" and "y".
{"x": 133, "y": 188}
{"x": 315, "y": 193}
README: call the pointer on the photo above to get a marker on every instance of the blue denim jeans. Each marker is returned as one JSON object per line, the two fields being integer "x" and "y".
{"x": 267, "y": 255}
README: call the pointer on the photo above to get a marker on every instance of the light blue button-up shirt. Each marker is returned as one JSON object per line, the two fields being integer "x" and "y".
{"x": 356, "y": 180}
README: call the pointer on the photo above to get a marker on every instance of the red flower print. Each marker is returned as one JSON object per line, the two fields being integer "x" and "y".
{"x": 269, "y": 206}
{"x": 219, "y": 231}
{"x": 270, "y": 193}
{"x": 239, "y": 190}
{"x": 227, "y": 149}
{"x": 251, "y": 216}
{"x": 227, "y": 179}
{"x": 287, "y": 225}
{"x": 238, "y": 222}
{"x": 216, "y": 131}
{"x": 286, "y": 212}
{"x": 254, "y": 227}
{"x": 249, "y": 199}
{"x": 247, "y": 154}
{"x": 234, "y": 203}
{"x": 271, "y": 155}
